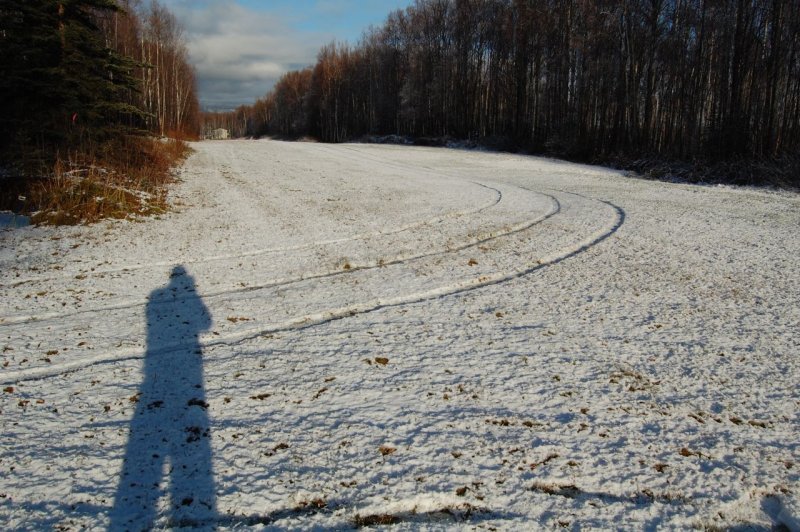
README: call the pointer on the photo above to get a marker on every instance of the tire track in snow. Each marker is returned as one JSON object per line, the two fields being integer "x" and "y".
{"x": 554, "y": 209}
{"x": 256, "y": 253}
{"x": 481, "y": 239}
{"x": 320, "y": 318}
{"x": 330, "y": 315}
{"x": 452, "y": 215}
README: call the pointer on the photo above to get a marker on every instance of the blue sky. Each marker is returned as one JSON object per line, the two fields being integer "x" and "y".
{"x": 240, "y": 48}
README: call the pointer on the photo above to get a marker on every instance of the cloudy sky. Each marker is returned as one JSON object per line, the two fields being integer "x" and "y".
{"x": 241, "y": 47}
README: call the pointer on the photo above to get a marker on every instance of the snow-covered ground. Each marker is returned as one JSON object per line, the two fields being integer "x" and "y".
{"x": 327, "y": 336}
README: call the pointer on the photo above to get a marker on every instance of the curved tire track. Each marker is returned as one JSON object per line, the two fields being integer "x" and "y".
{"x": 477, "y": 240}
{"x": 259, "y": 252}
{"x": 242, "y": 335}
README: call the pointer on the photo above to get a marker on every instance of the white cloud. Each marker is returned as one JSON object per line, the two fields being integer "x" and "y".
{"x": 240, "y": 53}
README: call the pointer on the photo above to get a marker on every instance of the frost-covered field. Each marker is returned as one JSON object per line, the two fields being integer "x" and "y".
{"x": 329, "y": 336}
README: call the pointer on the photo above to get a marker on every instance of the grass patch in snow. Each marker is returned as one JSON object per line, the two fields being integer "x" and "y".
{"x": 449, "y": 514}
{"x": 118, "y": 180}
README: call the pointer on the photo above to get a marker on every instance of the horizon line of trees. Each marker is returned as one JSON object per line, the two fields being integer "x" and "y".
{"x": 683, "y": 79}
{"x": 77, "y": 74}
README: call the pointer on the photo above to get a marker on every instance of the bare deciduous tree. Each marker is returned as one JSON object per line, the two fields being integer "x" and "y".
{"x": 681, "y": 79}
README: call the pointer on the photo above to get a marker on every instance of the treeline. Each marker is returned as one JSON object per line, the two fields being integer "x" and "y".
{"x": 716, "y": 80}
{"x": 167, "y": 88}
{"x": 75, "y": 74}
{"x": 86, "y": 86}
{"x": 284, "y": 111}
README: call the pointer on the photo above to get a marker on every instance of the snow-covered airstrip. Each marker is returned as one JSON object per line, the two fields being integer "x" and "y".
{"x": 329, "y": 336}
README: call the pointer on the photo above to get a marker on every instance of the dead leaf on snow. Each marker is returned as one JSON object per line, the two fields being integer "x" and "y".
{"x": 319, "y": 393}
{"x": 385, "y": 450}
{"x": 261, "y": 396}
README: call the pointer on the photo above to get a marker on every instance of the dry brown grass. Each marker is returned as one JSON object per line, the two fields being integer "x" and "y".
{"x": 121, "y": 179}
{"x": 361, "y": 521}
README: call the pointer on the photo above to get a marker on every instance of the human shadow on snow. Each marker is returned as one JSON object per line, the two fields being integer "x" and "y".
{"x": 169, "y": 449}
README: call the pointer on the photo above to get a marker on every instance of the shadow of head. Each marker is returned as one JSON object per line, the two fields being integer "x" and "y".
{"x": 178, "y": 271}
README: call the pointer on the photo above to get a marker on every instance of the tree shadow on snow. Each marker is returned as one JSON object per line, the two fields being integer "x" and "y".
{"x": 169, "y": 449}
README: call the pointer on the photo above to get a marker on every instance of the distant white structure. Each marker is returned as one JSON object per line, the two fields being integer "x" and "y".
{"x": 218, "y": 134}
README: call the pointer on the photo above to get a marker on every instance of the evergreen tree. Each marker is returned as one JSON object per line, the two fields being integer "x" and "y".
{"x": 61, "y": 86}
{"x": 29, "y": 51}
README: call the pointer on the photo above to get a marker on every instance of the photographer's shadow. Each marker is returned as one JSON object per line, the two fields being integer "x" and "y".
{"x": 169, "y": 448}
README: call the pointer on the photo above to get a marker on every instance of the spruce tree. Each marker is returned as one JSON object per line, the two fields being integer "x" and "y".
{"x": 61, "y": 86}
{"x": 29, "y": 53}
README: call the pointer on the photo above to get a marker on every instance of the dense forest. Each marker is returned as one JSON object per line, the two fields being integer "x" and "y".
{"x": 680, "y": 80}
{"x": 78, "y": 71}
{"x": 87, "y": 84}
